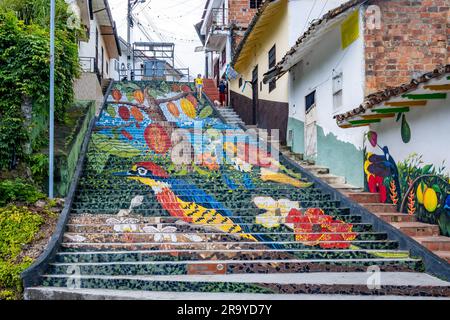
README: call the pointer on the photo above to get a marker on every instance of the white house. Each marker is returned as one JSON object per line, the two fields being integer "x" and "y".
{"x": 99, "y": 50}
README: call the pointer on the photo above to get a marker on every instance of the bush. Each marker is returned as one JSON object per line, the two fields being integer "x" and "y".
{"x": 18, "y": 190}
{"x": 18, "y": 227}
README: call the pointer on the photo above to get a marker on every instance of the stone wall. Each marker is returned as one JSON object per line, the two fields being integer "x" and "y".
{"x": 414, "y": 37}
{"x": 88, "y": 88}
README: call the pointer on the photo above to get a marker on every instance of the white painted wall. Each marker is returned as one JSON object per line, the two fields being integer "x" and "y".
{"x": 315, "y": 73}
{"x": 302, "y": 12}
{"x": 429, "y": 134}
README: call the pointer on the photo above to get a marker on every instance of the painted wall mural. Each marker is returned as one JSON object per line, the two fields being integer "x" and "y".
{"x": 415, "y": 187}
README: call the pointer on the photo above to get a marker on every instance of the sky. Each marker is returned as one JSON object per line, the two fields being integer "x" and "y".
{"x": 167, "y": 21}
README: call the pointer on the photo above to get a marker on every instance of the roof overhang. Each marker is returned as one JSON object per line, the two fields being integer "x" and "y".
{"x": 419, "y": 93}
{"x": 85, "y": 20}
{"x": 315, "y": 33}
{"x": 255, "y": 29}
{"x": 107, "y": 25}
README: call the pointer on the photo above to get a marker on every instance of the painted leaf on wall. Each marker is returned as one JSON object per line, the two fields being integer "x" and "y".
{"x": 426, "y": 169}
{"x": 405, "y": 130}
{"x": 157, "y": 138}
{"x": 373, "y": 138}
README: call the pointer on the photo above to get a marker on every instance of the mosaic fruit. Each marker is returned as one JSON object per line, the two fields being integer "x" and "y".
{"x": 173, "y": 109}
{"x": 126, "y": 134}
{"x": 139, "y": 96}
{"x": 185, "y": 88}
{"x": 124, "y": 113}
{"x": 111, "y": 111}
{"x": 206, "y": 112}
{"x": 193, "y": 100}
{"x": 420, "y": 192}
{"x": 188, "y": 108}
{"x": 175, "y": 87}
{"x": 430, "y": 200}
{"x": 137, "y": 114}
{"x": 116, "y": 94}
{"x": 157, "y": 138}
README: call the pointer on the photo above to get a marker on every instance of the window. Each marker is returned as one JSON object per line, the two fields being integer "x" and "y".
{"x": 310, "y": 101}
{"x": 272, "y": 62}
{"x": 255, "y": 4}
{"x": 107, "y": 67}
{"x": 224, "y": 55}
{"x": 240, "y": 82}
{"x": 337, "y": 90}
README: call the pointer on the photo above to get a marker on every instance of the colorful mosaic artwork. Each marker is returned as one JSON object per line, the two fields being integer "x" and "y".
{"x": 169, "y": 189}
{"x": 416, "y": 188}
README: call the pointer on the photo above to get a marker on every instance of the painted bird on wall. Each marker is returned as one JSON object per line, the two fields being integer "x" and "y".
{"x": 184, "y": 200}
{"x": 379, "y": 167}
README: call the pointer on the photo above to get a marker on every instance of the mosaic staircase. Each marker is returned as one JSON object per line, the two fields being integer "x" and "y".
{"x": 140, "y": 223}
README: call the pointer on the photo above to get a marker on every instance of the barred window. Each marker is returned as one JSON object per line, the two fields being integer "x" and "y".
{"x": 254, "y": 4}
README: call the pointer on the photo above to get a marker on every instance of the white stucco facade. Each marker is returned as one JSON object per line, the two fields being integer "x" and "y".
{"x": 315, "y": 72}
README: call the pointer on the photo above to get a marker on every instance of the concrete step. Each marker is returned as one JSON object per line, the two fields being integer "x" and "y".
{"x": 331, "y": 179}
{"x": 133, "y": 246}
{"x": 417, "y": 229}
{"x": 357, "y": 283}
{"x": 395, "y": 217}
{"x": 59, "y": 293}
{"x": 221, "y": 254}
{"x": 213, "y": 235}
{"x": 317, "y": 170}
{"x": 343, "y": 187}
{"x": 444, "y": 255}
{"x": 363, "y": 197}
{"x": 434, "y": 243}
{"x": 379, "y": 207}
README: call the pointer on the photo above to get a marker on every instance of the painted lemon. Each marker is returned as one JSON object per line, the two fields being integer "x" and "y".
{"x": 430, "y": 200}
{"x": 421, "y": 192}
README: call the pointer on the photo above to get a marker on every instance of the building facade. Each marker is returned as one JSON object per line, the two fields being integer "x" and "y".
{"x": 221, "y": 29}
{"x": 99, "y": 49}
{"x": 344, "y": 55}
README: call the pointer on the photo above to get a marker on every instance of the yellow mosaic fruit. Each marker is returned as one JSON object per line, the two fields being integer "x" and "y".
{"x": 420, "y": 192}
{"x": 188, "y": 108}
{"x": 430, "y": 200}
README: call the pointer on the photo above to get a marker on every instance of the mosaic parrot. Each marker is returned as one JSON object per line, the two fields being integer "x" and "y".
{"x": 186, "y": 201}
{"x": 384, "y": 166}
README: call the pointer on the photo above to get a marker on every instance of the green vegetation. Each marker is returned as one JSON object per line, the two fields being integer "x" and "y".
{"x": 18, "y": 190}
{"x": 18, "y": 227}
{"x": 24, "y": 75}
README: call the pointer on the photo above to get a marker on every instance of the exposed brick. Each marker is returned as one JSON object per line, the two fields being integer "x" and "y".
{"x": 413, "y": 38}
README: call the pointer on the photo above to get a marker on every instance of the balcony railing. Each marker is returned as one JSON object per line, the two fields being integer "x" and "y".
{"x": 217, "y": 19}
{"x": 89, "y": 64}
{"x": 155, "y": 73}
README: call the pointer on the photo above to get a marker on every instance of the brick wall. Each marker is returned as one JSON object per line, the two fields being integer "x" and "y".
{"x": 240, "y": 13}
{"x": 414, "y": 37}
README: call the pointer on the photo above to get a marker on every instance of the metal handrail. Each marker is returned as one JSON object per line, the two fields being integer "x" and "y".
{"x": 217, "y": 18}
{"x": 137, "y": 74}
